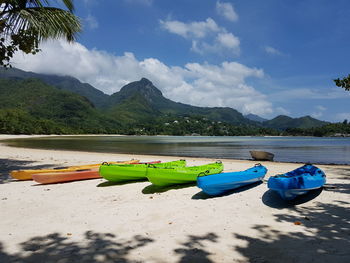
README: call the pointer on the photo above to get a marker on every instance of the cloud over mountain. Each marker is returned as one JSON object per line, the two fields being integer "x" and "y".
{"x": 194, "y": 83}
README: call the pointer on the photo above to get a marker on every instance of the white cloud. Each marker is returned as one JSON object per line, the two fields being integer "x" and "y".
{"x": 226, "y": 10}
{"x": 319, "y": 111}
{"x": 228, "y": 40}
{"x": 272, "y": 51}
{"x": 191, "y": 30}
{"x": 91, "y": 22}
{"x": 342, "y": 116}
{"x": 282, "y": 111}
{"x": 206, "y": 36}
{"x": 194, "y": 83}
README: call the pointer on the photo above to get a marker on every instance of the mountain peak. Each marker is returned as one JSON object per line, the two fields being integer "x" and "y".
{"x": 143, "y": 88}
{"x": 145, "y": 81}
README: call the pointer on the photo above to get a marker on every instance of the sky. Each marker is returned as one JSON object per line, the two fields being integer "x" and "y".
{"x": 267, "y": 57}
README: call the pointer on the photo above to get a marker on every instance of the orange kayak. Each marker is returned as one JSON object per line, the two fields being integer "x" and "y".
{"x": 27, "y": 174}
{"x": 60, "y": 177}
{"x": 69, "y": 176}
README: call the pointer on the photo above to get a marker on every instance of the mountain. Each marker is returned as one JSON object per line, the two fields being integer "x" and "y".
{"x": 283, "y": 122}
{"x": 97, "y": 97}
{"x": 80, "y": 107}
{"x": 142, "y": 100}
{"x": 32, "y": 106}
{"x": 254, "y": 117}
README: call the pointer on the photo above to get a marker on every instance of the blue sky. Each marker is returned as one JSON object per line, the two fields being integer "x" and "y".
{"x": 266, "y": 57}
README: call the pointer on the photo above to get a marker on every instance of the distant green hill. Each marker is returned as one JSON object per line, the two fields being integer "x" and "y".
{"x": 32, "y": 106}
{"x": 254, "y": 117}
{"x": 283, "y": 122}
{"x": 97, "y": 97}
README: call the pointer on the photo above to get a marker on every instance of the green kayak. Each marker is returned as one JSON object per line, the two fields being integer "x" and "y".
{"x": 164, "y": 176}
{"x": 128, "y": 172}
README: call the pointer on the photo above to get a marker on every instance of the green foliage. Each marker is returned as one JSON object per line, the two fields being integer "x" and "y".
{"x": 25, "y": 23}
{"x": 343, "y": 83}
{"x": 31, "y": 106}
{"x": 331, "y": 129}
{"x": 193, "y": 125}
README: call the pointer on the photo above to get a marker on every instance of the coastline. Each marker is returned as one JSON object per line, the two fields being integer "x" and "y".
{"x": 318, "y": 153}
{"x": 86, "y": 221}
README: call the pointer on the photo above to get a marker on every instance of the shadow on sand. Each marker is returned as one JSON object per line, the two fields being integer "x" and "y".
{"x": 7, "y": 165}
{"x": 109, "y": 183}
{"x": 272, "y": 199}
{"x": 152, "y": 189}
{"x": 202, "y": 196}
{"x": 102, "y": 247}
{"x": 320, "y": 235}
{"x": 56, "y": 247}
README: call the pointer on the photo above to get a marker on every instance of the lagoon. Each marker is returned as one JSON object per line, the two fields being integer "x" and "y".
{"x": 286, "y": 149}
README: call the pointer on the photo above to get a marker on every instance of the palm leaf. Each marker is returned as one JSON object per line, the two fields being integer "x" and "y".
{"x": 46, "y": 22}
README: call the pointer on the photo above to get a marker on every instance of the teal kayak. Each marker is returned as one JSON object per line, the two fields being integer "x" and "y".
{"x": 163, "y": 176}
{"x": 129, "y": 172}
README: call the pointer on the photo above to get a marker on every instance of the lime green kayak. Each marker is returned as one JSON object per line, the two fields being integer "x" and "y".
{"x": 164, "y": 176}
{"x": 129, "y": 172}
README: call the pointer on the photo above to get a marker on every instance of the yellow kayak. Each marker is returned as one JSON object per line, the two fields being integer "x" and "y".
{"x": 27, "y": 174}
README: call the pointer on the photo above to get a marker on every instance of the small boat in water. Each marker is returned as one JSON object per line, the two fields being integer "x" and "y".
{"x": 262, "y": 156}
{"x": 164, "y": 176}
{"x": 297, "y": 182}
{"x": 218, "y": 184}
{"x": 129, "y": 172}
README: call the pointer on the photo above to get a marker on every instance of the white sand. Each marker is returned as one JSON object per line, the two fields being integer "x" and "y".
{"x": 134, "y": 222}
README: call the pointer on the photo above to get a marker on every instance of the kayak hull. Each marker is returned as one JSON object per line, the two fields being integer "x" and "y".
{"x": 297, "y": 182}
{"x": 62, "y": 177}
{"x": 181, "y": 175}
{"x": 27, "y": 174}
{"x": 218, "y": 184}
{"x": 51, "y": 178}
{"x": 132, "y": 172}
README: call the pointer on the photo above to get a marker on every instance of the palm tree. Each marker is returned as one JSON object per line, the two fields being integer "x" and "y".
{"x": 26, "y": 23}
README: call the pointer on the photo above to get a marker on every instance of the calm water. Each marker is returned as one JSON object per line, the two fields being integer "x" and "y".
{"x": 286, "y": 149}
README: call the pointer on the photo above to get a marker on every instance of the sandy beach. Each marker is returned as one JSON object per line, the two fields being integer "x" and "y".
{"x": 91, "y": 221}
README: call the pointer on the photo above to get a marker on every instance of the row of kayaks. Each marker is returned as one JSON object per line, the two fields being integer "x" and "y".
{"x": 209, "y": 177}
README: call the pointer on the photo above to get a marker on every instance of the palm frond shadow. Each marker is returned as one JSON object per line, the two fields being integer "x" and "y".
{"x": 324, "y": 236}
{"x": 57, "y": 247}
{"x": 8, "y": 165}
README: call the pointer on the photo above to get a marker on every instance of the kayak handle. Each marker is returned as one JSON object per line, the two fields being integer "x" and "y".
{"x": 61, "y": 167}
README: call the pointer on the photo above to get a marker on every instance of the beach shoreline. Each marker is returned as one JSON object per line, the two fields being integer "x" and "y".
{"x": 85, "y": 221}
{"x": 311, "y": 156}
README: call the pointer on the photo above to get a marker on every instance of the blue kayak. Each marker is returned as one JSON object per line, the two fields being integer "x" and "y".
{"x": 297, "y": 182}
{"x": 218, "y": 184}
